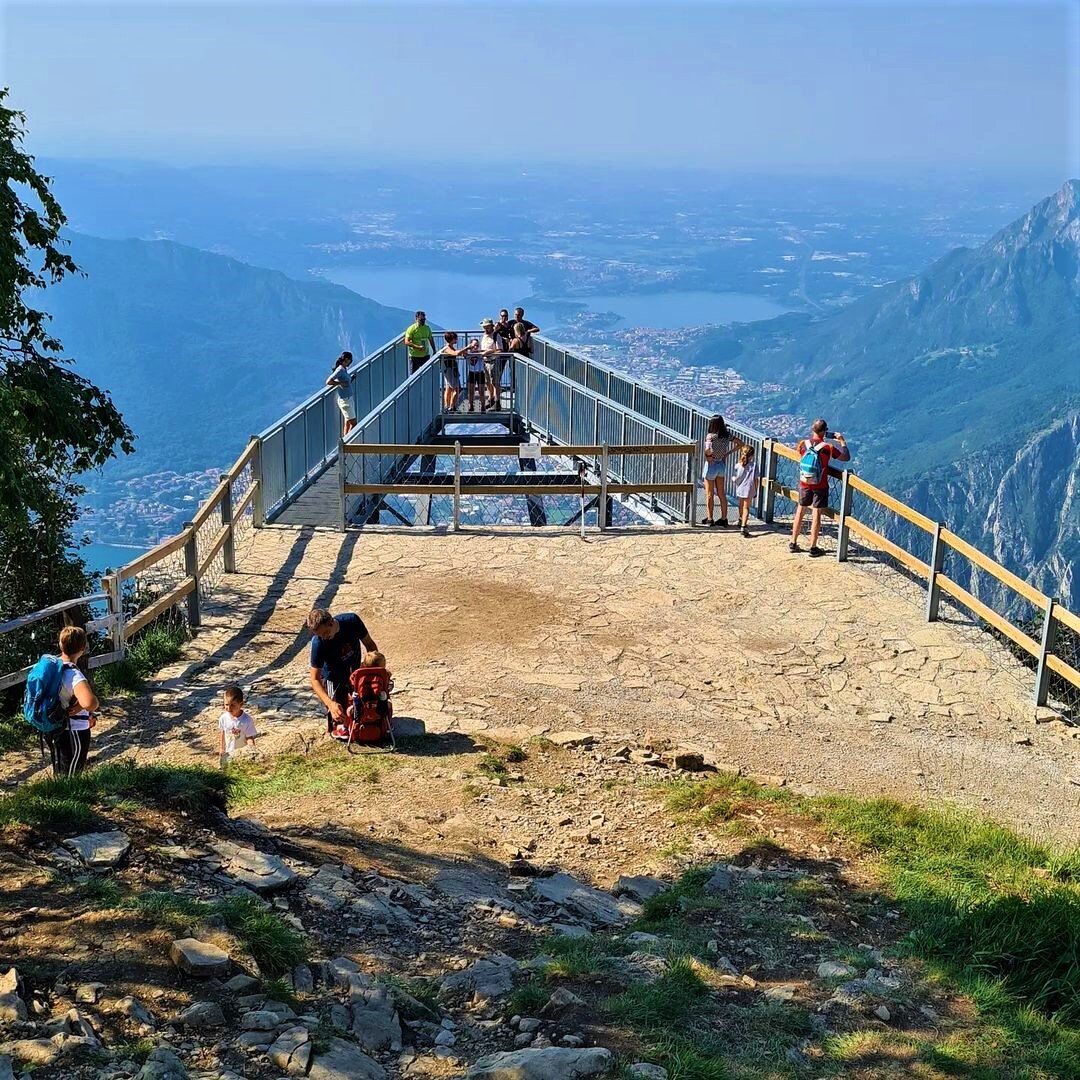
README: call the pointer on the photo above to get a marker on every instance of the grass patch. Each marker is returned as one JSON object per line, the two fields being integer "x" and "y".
{"x": 492, "y": 766}
{"x": 16, "y": 734}
{"x": 159, "y": 644}
{"x": 275, "y": 945}
{"x": 529, "y": 998}
{"x": 985, "y": 903}
{"x": 69, "y": 804}
{"x": 279, "y": 990}
{"x": 327, "y": 769}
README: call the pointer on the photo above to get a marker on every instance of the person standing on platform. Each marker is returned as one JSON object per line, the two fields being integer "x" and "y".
{"x": 420, "y": 342}
{"x": 451, "y": 371}
{"x": 530, "y": 327}
{"x": 342, "y": 382}
{"x": 491, "y": 348}
{"x": 719, "y": 446}
{"x": 815, "y": 454}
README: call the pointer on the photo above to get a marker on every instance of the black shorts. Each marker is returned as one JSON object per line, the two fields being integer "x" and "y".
{"x": 477, "y": 378}
{"x": 818, "y": 498}
{"x": 416, "y": 363}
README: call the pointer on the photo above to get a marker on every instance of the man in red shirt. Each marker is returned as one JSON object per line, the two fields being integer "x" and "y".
{"x": 815, "y": 454}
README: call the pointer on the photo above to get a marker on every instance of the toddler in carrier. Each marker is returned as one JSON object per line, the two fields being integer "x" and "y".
{"x": 370, "y": 712}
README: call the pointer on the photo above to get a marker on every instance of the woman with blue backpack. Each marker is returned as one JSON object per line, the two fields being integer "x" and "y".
{"x": 60, "y": 703}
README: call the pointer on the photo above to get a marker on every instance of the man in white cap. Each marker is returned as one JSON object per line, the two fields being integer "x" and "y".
{"x": 491, "y": 348}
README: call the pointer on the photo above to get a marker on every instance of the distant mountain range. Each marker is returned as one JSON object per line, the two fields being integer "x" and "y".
{"x": 960, "y": 388}
{"x": 199, "y": 351}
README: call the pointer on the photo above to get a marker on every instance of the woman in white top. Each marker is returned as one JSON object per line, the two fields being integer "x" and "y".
{"x": 71, "y": 747}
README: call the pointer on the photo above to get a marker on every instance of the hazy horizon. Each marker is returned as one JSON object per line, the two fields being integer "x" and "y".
{"x": 873, "y": 88}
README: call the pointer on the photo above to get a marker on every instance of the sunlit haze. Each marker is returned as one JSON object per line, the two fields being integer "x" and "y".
{"x": 764, "y": 86}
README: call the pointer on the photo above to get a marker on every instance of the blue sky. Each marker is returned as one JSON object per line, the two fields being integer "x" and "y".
{"x": 760, "y": 86}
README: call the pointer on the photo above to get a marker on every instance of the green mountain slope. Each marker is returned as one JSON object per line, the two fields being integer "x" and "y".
{"x": 200, "y": 350}
{"x": 959, "y": 388}
{"x": 985, "y": 343}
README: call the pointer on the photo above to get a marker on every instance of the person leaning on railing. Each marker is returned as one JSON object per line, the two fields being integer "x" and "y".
{"x": 815, "y": 454}
{"x": 340, "y": 380}
{"x": 451, "y": 374}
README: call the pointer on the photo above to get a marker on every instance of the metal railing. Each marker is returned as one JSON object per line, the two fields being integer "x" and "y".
{"x": 298, "y": 447}
{"x": 672, "y": 413}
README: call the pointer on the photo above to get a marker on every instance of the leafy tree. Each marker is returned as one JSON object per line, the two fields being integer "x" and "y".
{"x": 54, "y": 424}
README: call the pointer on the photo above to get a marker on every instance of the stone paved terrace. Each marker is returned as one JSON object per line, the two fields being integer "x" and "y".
{"x": 822, "y": 674}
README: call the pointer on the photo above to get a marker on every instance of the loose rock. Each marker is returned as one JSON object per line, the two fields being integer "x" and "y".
{"x": 343, "y": 1061}
{"x": 544, "y": 1063}
{"x": 199, "y": 958}
{"x": 99, "y": 850}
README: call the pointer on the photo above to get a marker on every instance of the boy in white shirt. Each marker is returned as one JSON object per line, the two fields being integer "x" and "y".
{"x": 235, "y": 727}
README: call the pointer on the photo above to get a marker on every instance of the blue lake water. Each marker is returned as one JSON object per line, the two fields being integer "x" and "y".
{"x": 109, "y": 556}
{"x": 462, "y": 300}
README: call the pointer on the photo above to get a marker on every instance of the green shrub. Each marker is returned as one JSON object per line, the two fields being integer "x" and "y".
{"x": 276, "y": 946}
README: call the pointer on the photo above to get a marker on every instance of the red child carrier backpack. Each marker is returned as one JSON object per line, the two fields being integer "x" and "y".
{"x": 370, "y": 712}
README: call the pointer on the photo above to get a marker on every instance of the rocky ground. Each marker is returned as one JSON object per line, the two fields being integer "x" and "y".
{"x": 458, "y": 955}
{"x": 488, "y": 901}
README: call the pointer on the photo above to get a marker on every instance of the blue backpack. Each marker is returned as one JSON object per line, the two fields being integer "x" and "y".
{"x": 41, "y": 700}
{"x": 811, "y": 471}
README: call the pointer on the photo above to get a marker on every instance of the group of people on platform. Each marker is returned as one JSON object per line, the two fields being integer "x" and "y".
{"x": 816, "y": 453}
{"x": 484, "y": 359}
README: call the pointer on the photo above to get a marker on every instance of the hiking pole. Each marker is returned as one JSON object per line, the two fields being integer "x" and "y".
{"x": 581, "y": 478}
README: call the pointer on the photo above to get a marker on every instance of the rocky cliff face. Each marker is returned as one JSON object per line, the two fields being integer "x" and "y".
{"x": 1019, "y": 503}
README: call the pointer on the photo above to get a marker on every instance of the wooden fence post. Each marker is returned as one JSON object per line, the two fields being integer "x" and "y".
{"x": 933, "y": 589}
{"x": 843, "y": 532}
{"x": 191, "y": 568}
{"x": 602, "y": 507}
{"x": 116, "y": 610}
{"x": 341, "y": 483}
{"x": 770, "y": 480}
{"x": 228, "y": 549}
{"x": 457, "y": 485}
{"x": 1046, "y": 647}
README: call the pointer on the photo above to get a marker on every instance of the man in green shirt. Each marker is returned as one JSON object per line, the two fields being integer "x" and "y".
{"x": 420, "y": 342}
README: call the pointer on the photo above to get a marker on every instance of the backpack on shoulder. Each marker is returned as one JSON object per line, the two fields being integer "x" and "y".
{"x": 370, "y": 712}
{"x": 42, "y": 708}
{"x": 811, "y": 469}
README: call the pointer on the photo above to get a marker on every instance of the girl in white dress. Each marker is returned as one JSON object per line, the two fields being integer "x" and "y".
{"x": 746, "y": 483}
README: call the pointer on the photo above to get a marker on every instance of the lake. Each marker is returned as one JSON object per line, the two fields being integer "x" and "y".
{"x": 109, "y": 556}
{"x": 462, "y": 300}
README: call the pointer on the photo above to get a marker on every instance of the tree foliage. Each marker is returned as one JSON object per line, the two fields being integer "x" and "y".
{"x": 54, "y": 424}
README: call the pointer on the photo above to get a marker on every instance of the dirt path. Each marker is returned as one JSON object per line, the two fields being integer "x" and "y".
{"x": 821, "y": 674}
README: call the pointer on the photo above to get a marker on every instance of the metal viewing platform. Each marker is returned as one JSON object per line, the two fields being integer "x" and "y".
{"x": 572, "y": 443}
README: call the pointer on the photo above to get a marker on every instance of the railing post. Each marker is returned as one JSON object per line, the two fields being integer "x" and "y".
{"x": 690, "y": 479}
{"x": 341, "y": 482}
{"x": 843, "y": 532}
{"x": 191, "y": 569}
{"x": 258, "y": 506}
{"x": 116, "y": 610}
{"x": 602, "y": 506}
{"x": 770, "y": 480}
{"x": 653, "y": 501}
{"x": 1046, "y": 647}
{"x": 228, "y": 549}
{"x": 457, "y": 485}
{"x": 933, "y": 589}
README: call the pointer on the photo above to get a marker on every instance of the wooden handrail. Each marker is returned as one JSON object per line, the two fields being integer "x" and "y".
{"x": 212, "y": 503}
{"x": 873, "y": 537}
{"x": 511, "y": 450}
{"x": 988, "y": 614}
{"x": 215, "y": 547}
{"x": 895, "y": 505}
{"x": 242, "y": 461}
{"x": 1067, "y": 618}
{"x": 154, "y": 555}
{"x": 994, "y": 569}
{"x": 54, "y": 609}
{"x": 1060, "y": 667}
{"x": 162, "y": 604}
